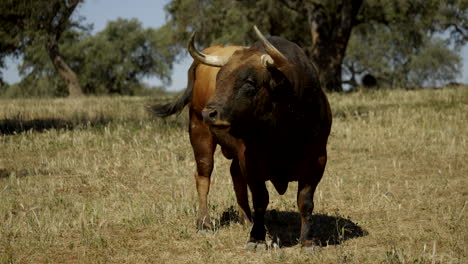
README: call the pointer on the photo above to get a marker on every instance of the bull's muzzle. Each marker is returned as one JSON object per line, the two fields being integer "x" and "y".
{"x": 211, "y": 117}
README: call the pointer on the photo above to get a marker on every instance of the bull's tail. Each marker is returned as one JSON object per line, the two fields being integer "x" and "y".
{"x": 165, "y": 110}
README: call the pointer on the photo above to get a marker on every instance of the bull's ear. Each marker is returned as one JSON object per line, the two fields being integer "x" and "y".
{"x": 279, "y": 85}
{"x": 267, "y": 61}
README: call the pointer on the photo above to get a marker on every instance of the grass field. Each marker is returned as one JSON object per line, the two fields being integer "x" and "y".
{"x": 98, "y": 180}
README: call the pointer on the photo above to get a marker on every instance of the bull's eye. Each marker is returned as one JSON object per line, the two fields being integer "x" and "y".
{"x": 249, "y": 87}
{"x": 250, "y": 81}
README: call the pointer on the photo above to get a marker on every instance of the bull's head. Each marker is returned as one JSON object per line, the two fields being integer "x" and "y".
{"x": 244, "y": 85}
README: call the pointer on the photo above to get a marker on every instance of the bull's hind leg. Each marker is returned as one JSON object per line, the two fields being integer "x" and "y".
{"x": 305, "y": 199}
{"x": 204, "y": 145}
{"x": 240, "y": 188}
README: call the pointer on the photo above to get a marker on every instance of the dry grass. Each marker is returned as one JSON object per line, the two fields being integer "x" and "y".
{"x": 98, "y": 180}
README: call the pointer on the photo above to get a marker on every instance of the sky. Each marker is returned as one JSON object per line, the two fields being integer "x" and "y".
{"x": 151, "y": 14}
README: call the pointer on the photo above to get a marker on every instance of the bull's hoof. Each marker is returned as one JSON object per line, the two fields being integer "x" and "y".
{"x": 203, "y": 225}
{"x": 257, "y": 246}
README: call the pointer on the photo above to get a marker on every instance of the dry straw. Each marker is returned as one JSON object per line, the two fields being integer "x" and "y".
{"x": 99, "y": 180}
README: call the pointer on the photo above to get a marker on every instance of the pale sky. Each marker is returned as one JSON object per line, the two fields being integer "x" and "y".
{"x": 151, "y": 14}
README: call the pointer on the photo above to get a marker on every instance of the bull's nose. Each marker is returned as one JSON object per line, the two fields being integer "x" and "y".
{"x": 209, "y": 115}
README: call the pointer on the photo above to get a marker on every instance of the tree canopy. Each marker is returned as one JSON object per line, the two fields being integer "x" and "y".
{"x": 29, "y": 23}
{"x": 383, "y": 36}
{"x": 118, "y": 58}
{"x": 397, "y": 43}
{"x": 115, "y": 60}
{"x": 403, "y": 46}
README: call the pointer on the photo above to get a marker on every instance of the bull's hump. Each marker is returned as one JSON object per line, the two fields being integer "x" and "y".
{"x": 221, "y": 51}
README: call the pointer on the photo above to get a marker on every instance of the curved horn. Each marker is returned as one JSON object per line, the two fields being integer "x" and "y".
{"x": 275, "y": 57}
{"x": 216, "y": 61}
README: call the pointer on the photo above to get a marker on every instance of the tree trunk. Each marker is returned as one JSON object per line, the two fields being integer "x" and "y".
{"x": 329, "y": 59}
{"x": 55, "y": 25}
{"x": 330, "y": 35}
{"x": 65, "y": 72}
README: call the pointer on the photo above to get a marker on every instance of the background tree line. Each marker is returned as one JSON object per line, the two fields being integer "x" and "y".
{"x": 396, "y": 43}
{"x": 61, "y": 57}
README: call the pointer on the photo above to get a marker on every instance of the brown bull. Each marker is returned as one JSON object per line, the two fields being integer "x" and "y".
{"x": 266, "y": 109}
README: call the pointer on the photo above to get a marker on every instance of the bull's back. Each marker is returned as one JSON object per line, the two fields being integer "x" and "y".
{"x": 205, "y": 77}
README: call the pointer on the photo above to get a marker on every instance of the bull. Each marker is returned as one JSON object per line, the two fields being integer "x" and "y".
{"x": 265, "y": 107}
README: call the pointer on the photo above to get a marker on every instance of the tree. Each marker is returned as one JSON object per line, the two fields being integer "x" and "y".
{"x": 434, "y": 65}
{"x": 396, "y": 64}
{"x": 40, "y": 77}
{"x": 57, "y": 18}
{"x": 330, "y": 23}
{"x": 27, "y": 22}
{"x": 401, "y": 41}
{"x": 10, "y": 29}
{"x": 322, "y": 27}
{"x": 117, "y": 59}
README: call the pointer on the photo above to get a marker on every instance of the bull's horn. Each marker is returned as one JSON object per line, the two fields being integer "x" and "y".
{"x": 274, "y": 58}
{"x": 217, "y": 61}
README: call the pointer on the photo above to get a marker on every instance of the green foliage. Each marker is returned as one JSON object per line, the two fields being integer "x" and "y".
{"x": 400, "y": 45}
{"x": 390, "y": 40}
{"x": 395, "y": 41}
{"x": 3, "y": 86}
{"x": 114, "y": 60}
{"x": 43, "y": 87}
{"x": 396, "y": 64}
{"x": 118, "y": 58}
{"x": 434, "y": 65}
{"x": 26, "y": 23}
{"x": 230, "y": 22}
{"x": 40, "y": 79}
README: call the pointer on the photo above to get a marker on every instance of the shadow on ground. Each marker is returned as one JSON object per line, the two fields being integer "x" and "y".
{"x": 16, "y": 126}
{"x": 9, "y": 172}
{"x": 284, "y": 227}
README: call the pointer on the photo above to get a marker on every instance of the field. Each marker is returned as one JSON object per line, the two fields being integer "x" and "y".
{"x": 98, "y": 180}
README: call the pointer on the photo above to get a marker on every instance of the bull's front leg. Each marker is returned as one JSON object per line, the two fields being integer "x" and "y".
{"x": 305, "y": 201}
{"x": 260, "y": 202}
{"x": 240, "y": 188}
